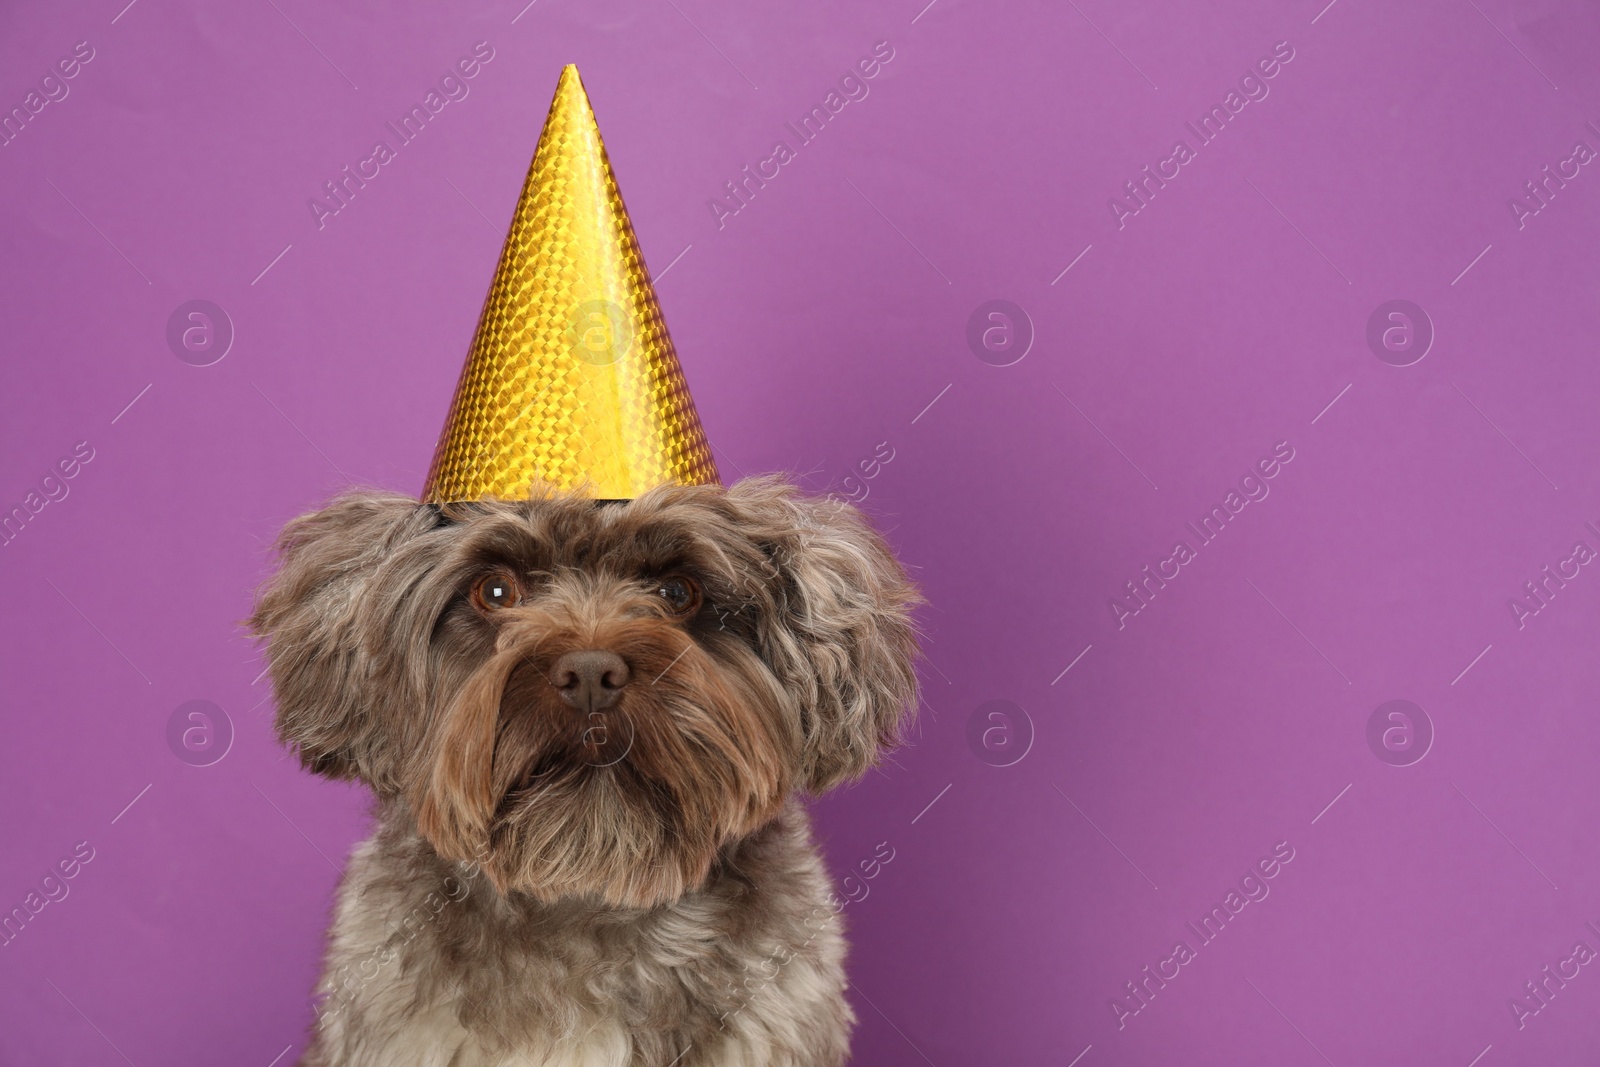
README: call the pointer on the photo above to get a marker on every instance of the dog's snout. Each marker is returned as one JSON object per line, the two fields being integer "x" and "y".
{"x": 590, "y": 679}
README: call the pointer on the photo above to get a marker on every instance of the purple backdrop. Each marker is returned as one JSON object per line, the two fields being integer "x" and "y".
{"x": 992, "y": 298}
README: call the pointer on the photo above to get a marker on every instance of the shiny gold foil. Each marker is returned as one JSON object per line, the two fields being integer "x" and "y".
{"x": 572, "y": 380}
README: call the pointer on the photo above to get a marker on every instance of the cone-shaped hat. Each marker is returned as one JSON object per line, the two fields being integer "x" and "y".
{"x": 571, "y": 380}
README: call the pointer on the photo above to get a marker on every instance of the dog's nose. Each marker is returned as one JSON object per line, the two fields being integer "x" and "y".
{"x": 590, "y": 679}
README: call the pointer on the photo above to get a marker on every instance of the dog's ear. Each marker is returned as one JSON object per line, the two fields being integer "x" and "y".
{"x": 310, "y": 614}
{"x": 843, "y": 641}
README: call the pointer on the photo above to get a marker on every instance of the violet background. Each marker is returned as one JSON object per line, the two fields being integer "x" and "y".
{"x": 824, "y": 318}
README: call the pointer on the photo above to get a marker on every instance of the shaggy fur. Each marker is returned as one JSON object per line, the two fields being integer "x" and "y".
{"x": 610, "y": 876}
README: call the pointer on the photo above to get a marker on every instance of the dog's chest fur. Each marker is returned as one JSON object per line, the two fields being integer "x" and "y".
{"x": 431, "y": 967}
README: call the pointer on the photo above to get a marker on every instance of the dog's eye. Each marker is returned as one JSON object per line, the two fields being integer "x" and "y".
{"x": 681, "y": 594}
{"x": 496, "y": 591}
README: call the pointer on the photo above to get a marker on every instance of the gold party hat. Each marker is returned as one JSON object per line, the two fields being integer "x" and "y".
{"x": 572, "y": 381}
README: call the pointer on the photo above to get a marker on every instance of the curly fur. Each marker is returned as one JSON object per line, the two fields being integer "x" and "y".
{"x": 634, "y": 887}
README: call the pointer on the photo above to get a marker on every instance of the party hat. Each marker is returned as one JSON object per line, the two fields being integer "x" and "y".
{"x": 572, "y": 381}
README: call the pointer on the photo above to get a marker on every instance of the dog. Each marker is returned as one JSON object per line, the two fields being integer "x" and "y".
{"x": 588, "y": 727}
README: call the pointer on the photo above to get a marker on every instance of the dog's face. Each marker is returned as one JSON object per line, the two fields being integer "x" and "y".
{"x": 589, "y": 698}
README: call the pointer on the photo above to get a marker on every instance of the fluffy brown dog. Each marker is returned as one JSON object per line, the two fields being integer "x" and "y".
{"x": 585, "y": 725}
